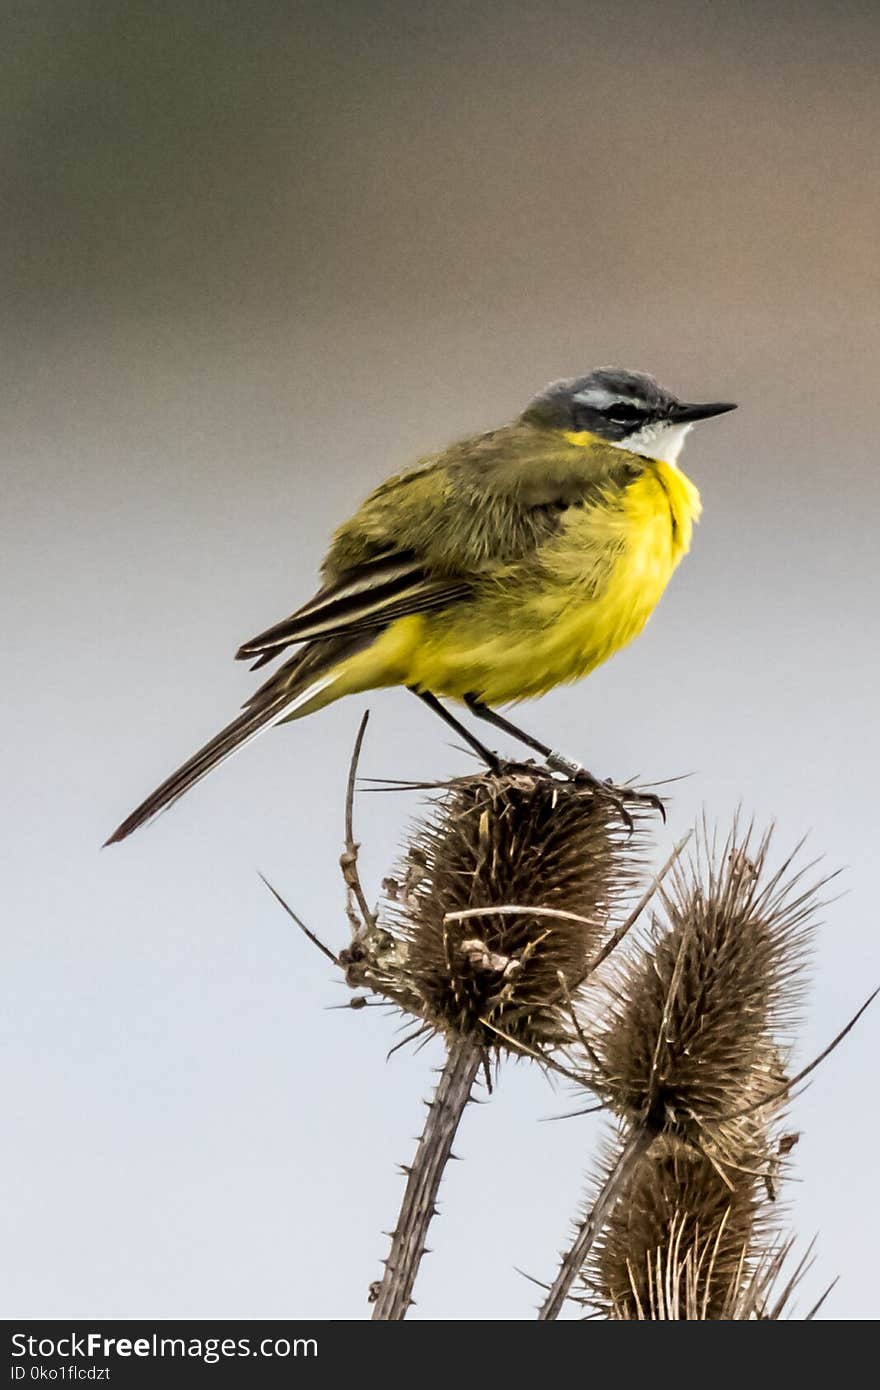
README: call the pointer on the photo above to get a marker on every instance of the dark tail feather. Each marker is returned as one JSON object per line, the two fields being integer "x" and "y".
{"x": 200, "y": 764}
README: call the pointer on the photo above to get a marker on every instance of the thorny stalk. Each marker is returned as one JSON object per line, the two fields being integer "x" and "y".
{"x": 634, "y": 1149}
{"x": 392, "y": 1294}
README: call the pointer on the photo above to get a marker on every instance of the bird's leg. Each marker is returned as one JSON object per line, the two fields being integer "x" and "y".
{"x": 484, "y": 712}
{"x": 492, "y": 760}
{"x": 555, "y": 761}
{"x": 558, "y": 762}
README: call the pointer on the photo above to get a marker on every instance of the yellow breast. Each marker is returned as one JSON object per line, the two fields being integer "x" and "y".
{"x": 613, "y": 568}
{"x": 660, "y": 511}
{"x": 662, "y": 508}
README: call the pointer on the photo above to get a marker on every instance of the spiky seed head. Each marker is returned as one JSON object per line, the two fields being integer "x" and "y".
{"x": 693, "y": 1032}
{"x": 685, "y": 1240}
{"x": 515, "y": 841}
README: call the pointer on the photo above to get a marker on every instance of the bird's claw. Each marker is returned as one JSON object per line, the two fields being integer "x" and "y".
{"x": 557, "y": 763}
{"x": 618, "y": 796}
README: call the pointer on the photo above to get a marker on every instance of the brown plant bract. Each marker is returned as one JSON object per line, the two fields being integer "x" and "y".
{"x": 510, "y": 842}
{"x": 692, "y": 1054}
{"x": 693, "y": 1034}
{"x": 682, "y": 1240}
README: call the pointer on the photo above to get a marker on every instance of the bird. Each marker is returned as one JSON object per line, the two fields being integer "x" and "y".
{"x": 489, "y": 573}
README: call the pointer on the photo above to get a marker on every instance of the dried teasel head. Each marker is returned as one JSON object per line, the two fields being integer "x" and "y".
{"x": 515, "y": 842}
{"x": 699, "y": 1024}
{"x": 688, "y": 1240}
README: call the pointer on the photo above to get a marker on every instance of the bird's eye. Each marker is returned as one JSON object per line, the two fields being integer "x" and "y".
{"x": 623, "y": 413}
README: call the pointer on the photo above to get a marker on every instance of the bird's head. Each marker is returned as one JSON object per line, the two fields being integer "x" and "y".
{"x": 629, "y": 409}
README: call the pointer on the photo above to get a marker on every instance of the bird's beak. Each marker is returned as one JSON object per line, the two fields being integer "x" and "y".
{"x": 682, "y": 414}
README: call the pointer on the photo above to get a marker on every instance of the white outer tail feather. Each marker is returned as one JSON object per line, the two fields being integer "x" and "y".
{"x": 300, "y": 699}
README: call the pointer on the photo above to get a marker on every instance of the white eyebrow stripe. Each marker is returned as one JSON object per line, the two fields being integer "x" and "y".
{"x": 600, "y": 398}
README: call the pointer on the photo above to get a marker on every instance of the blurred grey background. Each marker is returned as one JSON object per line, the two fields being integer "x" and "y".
{"x": 256, "y": 256}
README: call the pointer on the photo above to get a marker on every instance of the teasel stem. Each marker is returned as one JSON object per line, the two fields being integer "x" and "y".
{"x": 635, "y": 1146}
{"x": 348, "y": 863}
{"x": 392, "y": 1294}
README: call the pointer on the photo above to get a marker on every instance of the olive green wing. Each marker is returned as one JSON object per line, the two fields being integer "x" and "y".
{"x": 425, "y": 539}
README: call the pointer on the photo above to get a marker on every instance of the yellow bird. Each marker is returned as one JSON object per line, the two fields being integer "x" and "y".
{"x": 488, "y": 573}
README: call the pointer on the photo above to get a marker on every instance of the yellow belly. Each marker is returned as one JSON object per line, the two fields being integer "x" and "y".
{"x": 551, "y": 618}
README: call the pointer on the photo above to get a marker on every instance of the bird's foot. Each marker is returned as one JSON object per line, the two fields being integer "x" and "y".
{"x": 620, "y": 797}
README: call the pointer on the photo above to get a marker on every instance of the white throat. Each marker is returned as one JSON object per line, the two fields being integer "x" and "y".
{"x": 662, "y": 442}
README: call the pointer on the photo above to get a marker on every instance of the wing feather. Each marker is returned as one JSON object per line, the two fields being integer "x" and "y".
{"x": 368, "y": 597}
